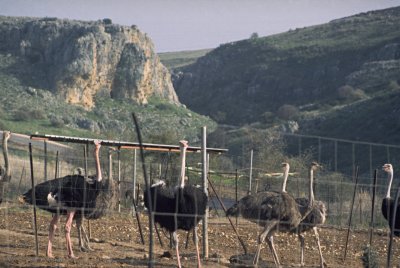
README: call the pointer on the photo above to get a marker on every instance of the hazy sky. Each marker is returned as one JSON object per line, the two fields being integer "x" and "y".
{"x": 176, "y": 25}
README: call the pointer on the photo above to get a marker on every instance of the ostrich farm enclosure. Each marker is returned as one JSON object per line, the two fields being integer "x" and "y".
{"x": 116, "y": 240}
{"x": 116, "y": 243}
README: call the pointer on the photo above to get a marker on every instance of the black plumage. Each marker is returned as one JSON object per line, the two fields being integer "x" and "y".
{"x": 388, "y": 203}
{"x": 177, "y": 208}
{"x": 77, "y": 197}
{"x": 187, "y": 205}
{"x": 66, "y": 193}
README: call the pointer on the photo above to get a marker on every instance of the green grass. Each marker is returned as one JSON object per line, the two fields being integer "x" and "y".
{"x": 174, "y": 60}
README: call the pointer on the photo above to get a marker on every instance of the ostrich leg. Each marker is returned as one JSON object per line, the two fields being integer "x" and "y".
{"x": 175, "y": 241}
{"x": 196, "y": 242}
{"x": 261, "y": 240}
{"x": 68, "y": 225}
{"x": 322, "y": 261}
{"x": 83, "y": 237}
{"x": 301, "y": 238}
{"x": 52, "y": 230}
{"x": 270, "y": 241}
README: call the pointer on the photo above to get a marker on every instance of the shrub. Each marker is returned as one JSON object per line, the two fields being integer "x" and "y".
{"x": 344, "y": 92}
{"x": 2, "y": 125}
{"x": 287, "y": 112}
{"x": 393, "y": 85}
{"x": 254, "y": 35}
{"x": 37, "y": 114}
{"x": 107, "y": 21}
{"x": 22, "y": 115}
{"x": 369, "y": 258}
{"x": 347, "y": 92}
{"x": 57, "y": 122}
{"x": 268, "y": 117}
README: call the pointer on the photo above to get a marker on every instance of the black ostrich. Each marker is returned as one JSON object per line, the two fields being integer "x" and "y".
{"x": 388, "y": 205}
{"x": 314, "y": 218}
{"x": 76, "y": 197}
{"x": 275, "y": 211}
{"x": 5, "y": 172}
{"x": 178, "y": 208}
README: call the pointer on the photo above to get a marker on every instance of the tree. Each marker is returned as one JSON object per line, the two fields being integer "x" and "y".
{"x": 254, "y": 35}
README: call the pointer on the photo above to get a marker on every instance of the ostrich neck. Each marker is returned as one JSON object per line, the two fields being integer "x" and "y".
{"x": 285, "y": 178}
{"x": 98, "y": 169}
{"x": 110, "y": 174}
{"x": 5, "y": 154}
{"x": 390, "y": 175}
{"x": 311, "y": 196}
{"x": 183, "y": 162}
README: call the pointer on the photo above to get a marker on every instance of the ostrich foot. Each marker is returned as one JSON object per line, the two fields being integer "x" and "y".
{"x": 72, "y": 257}
{"x": 86, "y": 249}
{"x": 50, "y": 256}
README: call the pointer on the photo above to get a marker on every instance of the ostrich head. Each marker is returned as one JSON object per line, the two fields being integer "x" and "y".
{"x": 6, "y": 135}
{"x": 315, "y": 166}
{"x": 233, "y": 211}
{"x": 285, "y": 165}
{"x": 387, "y": 168}
{"x": 183, "y": 143}
{"x": 79, "y": 171}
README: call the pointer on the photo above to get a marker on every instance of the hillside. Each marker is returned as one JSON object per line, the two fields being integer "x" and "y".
{"x": 179, "y": 59}
{"x": 85, "y": 79}
{"x": 317, "y": 71}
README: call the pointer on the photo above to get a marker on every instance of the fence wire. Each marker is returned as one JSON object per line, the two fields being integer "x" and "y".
{"x": 334, "y": 185}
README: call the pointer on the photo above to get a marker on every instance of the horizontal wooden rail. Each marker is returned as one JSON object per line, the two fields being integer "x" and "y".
{"x": 124, "y": 144}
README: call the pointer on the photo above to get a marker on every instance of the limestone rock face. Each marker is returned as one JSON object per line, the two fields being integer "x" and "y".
{"x": 77, "y": 59}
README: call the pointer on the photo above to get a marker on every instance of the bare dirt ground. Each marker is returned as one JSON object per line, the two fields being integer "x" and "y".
{"x": 118, "y": 244}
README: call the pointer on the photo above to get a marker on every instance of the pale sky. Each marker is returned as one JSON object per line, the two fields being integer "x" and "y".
{"x": 176, "y": 25}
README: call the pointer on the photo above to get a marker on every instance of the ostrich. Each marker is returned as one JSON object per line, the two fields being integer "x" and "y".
{"x": 178, "y": 208}
{"x": 5, "y": 172}
{"x": 66, "y": 196}
{"x": 275, "y": 211}
{"x": 314, "y": 218}
{"x": 388, "y": 205}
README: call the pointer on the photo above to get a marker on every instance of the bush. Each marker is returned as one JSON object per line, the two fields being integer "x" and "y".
{"x": 254, "y": 35}
{"x": 369, "y": 258}
{"x": 37, "y": 114}
{"x": 107, "y": 21}
{"x": 268, "y": 117}
{"x": 22, "y": 115}
{"x": 2, "y": 125}
{"x": 393, "y": 85}
{"x": 287, "y": 112}
{"x": 57, "y": 122}
{"x": 347, "y": 92}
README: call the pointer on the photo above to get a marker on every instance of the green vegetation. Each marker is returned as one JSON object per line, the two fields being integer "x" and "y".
{"x": 317, "y": 69}
{"x": 174, "y": 60}
{"x": 30, "y": 110}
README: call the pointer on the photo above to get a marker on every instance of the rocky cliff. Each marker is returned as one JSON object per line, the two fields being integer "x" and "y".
{"x": 76, "y": 59}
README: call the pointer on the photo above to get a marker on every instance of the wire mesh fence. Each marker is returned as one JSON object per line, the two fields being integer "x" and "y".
{"x": 334, "y": 185}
